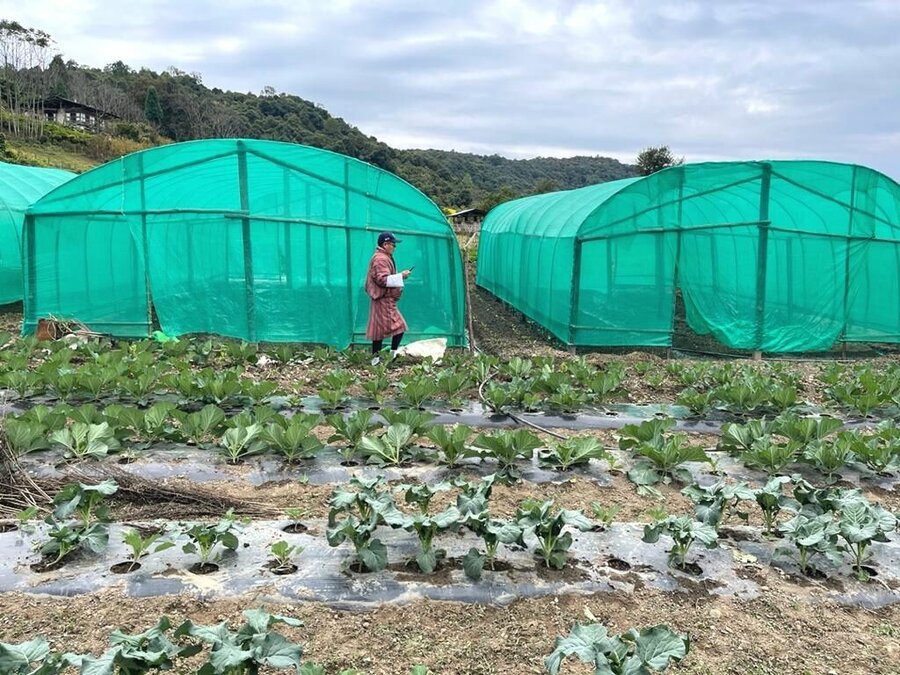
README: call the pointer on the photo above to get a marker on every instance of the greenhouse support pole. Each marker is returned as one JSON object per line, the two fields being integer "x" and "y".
{"x": 458, "y": 321}
{"x": 573, "y": 298}
{"x": 351, "y": 296}
{"x": 676, "y": 268}
{"x": 762, "y": 261}
{"x": 245, "y": 236}
{"x": 847, "y": 260}
{"x": 145, "y": 249}
{"x": 308, "y": 232}
{"x": 288, "y": 254}
{"x": 31, "y": 279}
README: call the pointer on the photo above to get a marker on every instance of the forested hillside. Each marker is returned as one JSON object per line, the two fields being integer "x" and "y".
{"x": 154, "y": 107}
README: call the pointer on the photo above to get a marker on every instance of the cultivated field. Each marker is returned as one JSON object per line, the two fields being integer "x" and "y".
{"x": 457, "y": 516}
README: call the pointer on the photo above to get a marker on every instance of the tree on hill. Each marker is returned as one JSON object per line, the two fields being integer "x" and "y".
{"x": 180, "y": 107}
{"x": 152, "y": 109}
{"x": 653, "y": 159}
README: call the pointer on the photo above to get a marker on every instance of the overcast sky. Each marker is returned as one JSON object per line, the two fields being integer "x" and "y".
{"x": 716, "y": 79}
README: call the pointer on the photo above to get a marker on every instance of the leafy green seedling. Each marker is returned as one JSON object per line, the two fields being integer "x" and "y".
{"x": 86, "y": 440}
{"x": 739, "y": 438}
{"x": 549, "y": 528}
{"x": 242, "y": 441}
{"x": 141, "y": 546}
{"x": 294, "y": 439}
{"x": 283, "y": 555}
{"x": 426, "y": 526}
{"x": 507, "y": 447}
{"x": 472, "y": 504}
{"x": 252, "y": 648}
{"x": 351, "y": 430}
{"x": 391, "y": 447}
{"x": 575, "y": 451}
{"x": 376, "y": 386}
{"x": 416, "y": 390}
{"x": 637, "y": 652}
{"x": 772, "y": 500}
{"x": 418, "y": 421}
{"x": 829, "y": 457}
{"x": 355, "y": 514}
{"x": 34, "y": 658}
{"x": 203, "y": 426}
{"x": 812, "y": 535}
{"x": 86, "y": 502}
{"x": 650, "y": 432}
{"x": 205, "y": 538}
{"x": 684, "y": 531}
{"x": 861, "y": 524}
{"x": 663, "y": 459}
{"x": 770, "y": 456}
{"x": 452, "y": 443}
{"x": 719, "y": 501}
{"x": 605, "y": 515}
{"x": 24, "y": 436}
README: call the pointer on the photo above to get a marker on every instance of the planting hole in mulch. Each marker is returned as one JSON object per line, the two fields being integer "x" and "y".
{"x": 349, "y": 462}
{"x": 125, "y": 460}
{"x": 813, "y": 573}
{"x": 358, "y": 568}
{"x": 374, "y": 407}
{"x": 46, "y": 566}
{"x": 125, "y": 567}
{"x": 871, "y": 571}
{"x": 203, "y": 568}
{"x": 274, "y": 568}
{"x": 690, "y": 568}
{"x": 618, "y": 564}
{"x": 7, "y": 526}
{"x": 295, "y": 528}
{"x": 498, "y": 566}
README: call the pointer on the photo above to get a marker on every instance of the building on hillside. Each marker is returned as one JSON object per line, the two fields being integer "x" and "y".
{"x": 74, "y": 114}
{"x": 467, "y": 220}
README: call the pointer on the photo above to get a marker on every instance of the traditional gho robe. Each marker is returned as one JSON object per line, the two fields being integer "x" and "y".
{"x": 384, "y": 286}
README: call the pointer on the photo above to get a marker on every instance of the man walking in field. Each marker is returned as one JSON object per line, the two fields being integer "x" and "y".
{"x": 384, "y": 285}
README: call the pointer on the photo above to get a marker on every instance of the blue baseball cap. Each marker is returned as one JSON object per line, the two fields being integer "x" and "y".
{"x": 385, "y": 237}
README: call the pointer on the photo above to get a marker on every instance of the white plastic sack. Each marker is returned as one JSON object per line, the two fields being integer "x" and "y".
{"x": 434, "y": 348}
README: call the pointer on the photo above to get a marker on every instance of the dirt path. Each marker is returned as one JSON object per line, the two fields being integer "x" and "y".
{"x": 789, "y": 631}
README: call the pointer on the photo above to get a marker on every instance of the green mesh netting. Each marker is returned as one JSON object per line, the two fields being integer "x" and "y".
{"x": 20, "y": 187}
{"x": 257, "y": 240}
{"x": 781, "y": 256}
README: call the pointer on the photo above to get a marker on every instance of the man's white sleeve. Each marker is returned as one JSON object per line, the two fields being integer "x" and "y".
{"x": 394, "y": 281}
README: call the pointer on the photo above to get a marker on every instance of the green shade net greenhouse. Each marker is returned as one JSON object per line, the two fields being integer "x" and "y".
{"x": 20, "y": 187}
{"x": 257, "y": 240}
{"x": 780, "y": 256}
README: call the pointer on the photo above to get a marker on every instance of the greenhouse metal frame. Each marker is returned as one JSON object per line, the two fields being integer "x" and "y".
{"x": 775, "y": 256}
{"x": 257, "y": 240}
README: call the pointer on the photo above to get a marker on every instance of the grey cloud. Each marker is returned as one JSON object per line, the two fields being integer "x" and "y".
{"x": 712, "y": 79}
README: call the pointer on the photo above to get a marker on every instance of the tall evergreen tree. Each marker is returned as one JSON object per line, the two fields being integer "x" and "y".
{"x": 152, "y": 109}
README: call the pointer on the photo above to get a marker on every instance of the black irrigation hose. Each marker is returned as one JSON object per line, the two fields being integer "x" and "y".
{"x": 514, "y": 418}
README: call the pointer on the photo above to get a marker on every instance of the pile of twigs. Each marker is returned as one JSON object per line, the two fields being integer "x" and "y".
{"x": 18, "y": 491}
{"x": 158, "y": 499}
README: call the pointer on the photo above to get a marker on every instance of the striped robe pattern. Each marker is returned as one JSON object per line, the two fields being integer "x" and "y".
{"x": 385, "y": 319}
